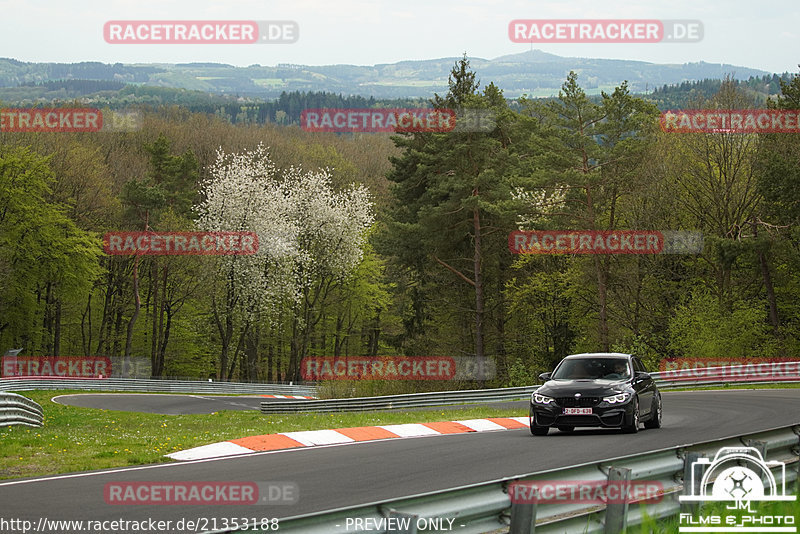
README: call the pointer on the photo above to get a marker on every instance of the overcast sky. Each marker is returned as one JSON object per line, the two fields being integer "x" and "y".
{"x": 762, "y": 34}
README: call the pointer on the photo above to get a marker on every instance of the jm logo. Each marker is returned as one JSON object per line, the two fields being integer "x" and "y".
{"x": 737, "y": 474}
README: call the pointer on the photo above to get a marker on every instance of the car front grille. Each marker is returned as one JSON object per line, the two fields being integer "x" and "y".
{"x": 578, "y": 402}
{"x": 578, "y": 420}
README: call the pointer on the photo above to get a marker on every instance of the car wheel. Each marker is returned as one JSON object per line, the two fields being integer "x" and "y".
{"x": 655, "y": 421}
{"x": 537, "y": 430}
{"x": 566, "y": 428}
{"x": 634, "y": 426}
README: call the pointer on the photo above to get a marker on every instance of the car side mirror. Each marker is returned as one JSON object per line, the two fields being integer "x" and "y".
{"x": 641, "y": 375}
{"x": 544, "y": 377}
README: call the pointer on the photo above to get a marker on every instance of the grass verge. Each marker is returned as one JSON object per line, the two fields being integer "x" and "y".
{"x": 82, "y": 439}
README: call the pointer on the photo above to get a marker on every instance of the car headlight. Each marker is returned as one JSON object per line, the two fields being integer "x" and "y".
{"x": 541, "y": 399}
{"x": 618, "y": 398}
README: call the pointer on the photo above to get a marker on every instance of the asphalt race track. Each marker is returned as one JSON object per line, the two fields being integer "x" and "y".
{"x": 163, "y": 404}
{"x": 352, "y": 474}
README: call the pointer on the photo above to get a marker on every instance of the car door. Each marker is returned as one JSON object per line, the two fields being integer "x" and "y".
{"x": 645, "y": 388}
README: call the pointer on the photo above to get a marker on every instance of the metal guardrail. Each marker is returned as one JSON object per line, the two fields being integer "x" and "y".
{"x": 18, "y": 410}
{"x": 709, "y": 376}
{"x": 437, "y": 398}
{"x": 757, "y": 373}
{"x": 487, "y": 506}
{"x": 149, "y": 385}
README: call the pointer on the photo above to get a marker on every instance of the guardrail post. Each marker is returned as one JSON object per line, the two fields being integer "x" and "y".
{"x": 761, "y": 447}
{"x": 691, "y": 485}
{"x": 796, "y": 450}
{"x": 523, "y": 518}
{"x": 617, "y": 512}
{"x": 523, "y": 510}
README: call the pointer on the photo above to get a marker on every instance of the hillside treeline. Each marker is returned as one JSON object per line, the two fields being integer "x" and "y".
{"x": 434, "y": 274}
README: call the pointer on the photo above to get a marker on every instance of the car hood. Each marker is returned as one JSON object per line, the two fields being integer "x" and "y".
{"x": 587, "y": 388}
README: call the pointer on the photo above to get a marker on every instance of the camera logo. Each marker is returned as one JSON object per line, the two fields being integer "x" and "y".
{"x": 740, "y": 475}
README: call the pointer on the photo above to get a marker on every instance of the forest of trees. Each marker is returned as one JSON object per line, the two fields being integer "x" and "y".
{"x": 432, "y": 275}
{"x": 681, "y": 95}
{"x": 286, "y": 109}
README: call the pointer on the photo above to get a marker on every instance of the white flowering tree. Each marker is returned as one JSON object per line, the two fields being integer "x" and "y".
{"x": 310, "y": 238}
{"x": 537, "y": 205}
{"x": 332, "y": 227}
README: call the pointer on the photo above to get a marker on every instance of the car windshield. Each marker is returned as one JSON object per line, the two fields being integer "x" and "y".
{"x": 592, "y": 369}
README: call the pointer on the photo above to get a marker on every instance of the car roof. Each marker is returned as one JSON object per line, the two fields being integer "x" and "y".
{"x": 587, "y": 355}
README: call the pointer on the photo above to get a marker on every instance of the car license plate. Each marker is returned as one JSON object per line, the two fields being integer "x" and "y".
{"x": 577, "y": 411}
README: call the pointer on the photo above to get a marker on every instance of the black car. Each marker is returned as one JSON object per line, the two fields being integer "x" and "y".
{"x": 596, "y": 390}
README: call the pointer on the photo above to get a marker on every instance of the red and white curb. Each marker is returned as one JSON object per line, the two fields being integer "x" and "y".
{"x": 286, "y": 397}
{"x": 310, "y": 438}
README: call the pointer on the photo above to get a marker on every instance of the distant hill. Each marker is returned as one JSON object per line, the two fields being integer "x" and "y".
{"x": 534, "y": 72}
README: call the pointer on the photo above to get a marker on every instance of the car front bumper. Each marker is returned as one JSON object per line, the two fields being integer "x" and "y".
{"x": 601, "y": 416}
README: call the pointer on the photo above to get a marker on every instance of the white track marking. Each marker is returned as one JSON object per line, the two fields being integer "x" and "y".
{"x": 481, "y": 425}
{"x": 411, "y": 430}
{"x": 318, "y": 437}
{"x": 214, "y": 450}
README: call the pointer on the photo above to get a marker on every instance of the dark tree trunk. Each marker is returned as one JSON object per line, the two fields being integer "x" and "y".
{"x": 237, "y": 352}
{"x": 479, "y": 300}
{"x": 270, "y": 349}
{"x": 57, "y": 329}
{"x": 117, "y": 336}
{"x": 163, "y": 334}
{"x": 602, "y": 301}
{"x": 375, "y": 332}
{"x": 126, "y": 363}
{"x": 86, "y": 340}
{"x": 164, "y": 341}
{"x": 294, "y": 349}
{"x": 47, "y": 321}
{"x": 338, "y": 340}
{"x": 252, "y": 353}
{"x": 104, "y": 332}
{"x": 767, "y": 277}
{"x": 155, "y": 331}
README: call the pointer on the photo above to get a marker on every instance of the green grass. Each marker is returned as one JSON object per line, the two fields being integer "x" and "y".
{"x": 269, "y": 82}
{"x": 83, "y": 439}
